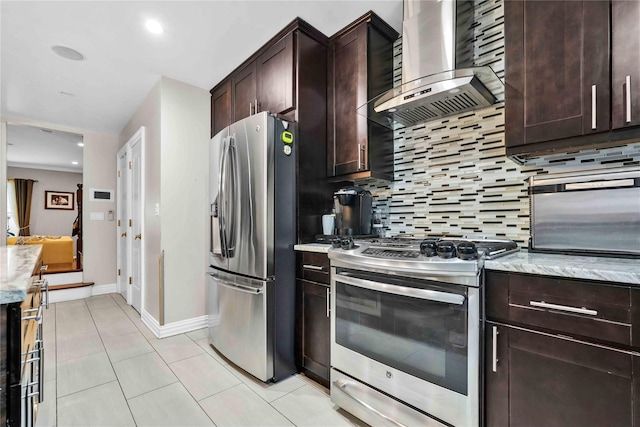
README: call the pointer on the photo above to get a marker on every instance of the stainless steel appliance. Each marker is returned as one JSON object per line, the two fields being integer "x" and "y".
{"x": 595, "y": 212}
{"x": 439, "y": 76}
{"x": 406, "y": 329}
{"x": 251, "y": 285}
{"x": 353, "y": 211}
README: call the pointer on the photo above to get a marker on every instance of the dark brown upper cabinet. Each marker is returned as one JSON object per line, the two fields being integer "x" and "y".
{"x": 244, "y": 94}
{"x": 266, "y": 84}
{"x": 275, "y": 77}
{"x": 221, "y": 107}
{"x": 360, "y": 67}
{"x": 557, "y": 72}
{"x": 625, "y": 63}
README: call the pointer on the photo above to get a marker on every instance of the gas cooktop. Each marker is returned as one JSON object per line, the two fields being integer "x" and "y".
{"x": 427, "y": 253}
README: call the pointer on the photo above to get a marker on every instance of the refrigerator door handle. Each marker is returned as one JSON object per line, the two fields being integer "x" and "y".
{"x": 222, "y": 208}
{"x": 216, "y": 241}
{"x": 232, "y": 200}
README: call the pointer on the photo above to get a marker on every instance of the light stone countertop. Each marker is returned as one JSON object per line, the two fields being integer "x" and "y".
{"x": 313, "y": 247}
{"x": 620, "y": 270}
{"x": 16, "y": 268}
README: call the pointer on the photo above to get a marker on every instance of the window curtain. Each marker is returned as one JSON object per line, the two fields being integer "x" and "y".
{"x": 22, "y": 191}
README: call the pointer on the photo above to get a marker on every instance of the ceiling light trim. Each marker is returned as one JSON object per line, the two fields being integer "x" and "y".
{"x": 68, "y": 53}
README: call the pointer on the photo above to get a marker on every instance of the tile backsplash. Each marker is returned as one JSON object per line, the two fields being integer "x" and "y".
{"x": 452, "y": 175}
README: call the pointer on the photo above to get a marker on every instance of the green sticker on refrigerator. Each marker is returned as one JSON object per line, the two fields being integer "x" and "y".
{"x": 287, "y": 137}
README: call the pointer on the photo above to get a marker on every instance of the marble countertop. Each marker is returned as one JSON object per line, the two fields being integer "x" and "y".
{"x": 313, "y": 247}
{"x": 16, "y": 269}
{"x": 621, "y": 270}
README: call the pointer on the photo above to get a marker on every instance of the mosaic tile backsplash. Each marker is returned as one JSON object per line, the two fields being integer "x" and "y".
{"x": 452, "y": 175}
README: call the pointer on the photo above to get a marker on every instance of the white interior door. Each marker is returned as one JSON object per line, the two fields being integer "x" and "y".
{"x": 136, "y": 270}
{"x": 123, "y": 190}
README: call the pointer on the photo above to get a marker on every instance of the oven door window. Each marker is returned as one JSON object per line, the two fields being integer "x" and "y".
{"x": 423, "y": 337}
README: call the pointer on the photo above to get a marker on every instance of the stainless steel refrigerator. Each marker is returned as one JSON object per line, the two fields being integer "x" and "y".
{"x": 251, "y": 279}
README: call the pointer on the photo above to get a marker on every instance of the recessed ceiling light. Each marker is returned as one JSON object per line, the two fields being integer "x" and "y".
{"x": 154, "y": 26}
{"x": 74, "y": 163}
{"x": 68, "y": 53}
{"x": 80, "y": 144}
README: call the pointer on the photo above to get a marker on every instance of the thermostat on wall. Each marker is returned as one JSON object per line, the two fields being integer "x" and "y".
{"x": 98, "y": 195}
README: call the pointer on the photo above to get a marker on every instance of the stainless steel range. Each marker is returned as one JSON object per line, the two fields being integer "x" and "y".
{"x": 406, "y": 328}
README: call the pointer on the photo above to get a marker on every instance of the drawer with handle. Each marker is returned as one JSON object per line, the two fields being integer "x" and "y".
{"x": 580, "y": 308}
{"x": 314, "y": 266}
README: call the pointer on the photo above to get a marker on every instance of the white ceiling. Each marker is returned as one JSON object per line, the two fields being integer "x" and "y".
{"x": 202, "y": 43}
{"x": 41, "y": 148}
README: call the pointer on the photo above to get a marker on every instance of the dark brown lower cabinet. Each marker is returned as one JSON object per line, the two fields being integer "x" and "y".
{"x": 314, "y": 350}
{"x": 538, "y": 379}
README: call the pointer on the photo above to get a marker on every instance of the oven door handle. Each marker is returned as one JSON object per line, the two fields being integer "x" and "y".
{"x": 426, "y": 294}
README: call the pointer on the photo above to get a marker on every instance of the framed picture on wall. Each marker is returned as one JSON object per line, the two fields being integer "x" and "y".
{"x": 58, "y": 200}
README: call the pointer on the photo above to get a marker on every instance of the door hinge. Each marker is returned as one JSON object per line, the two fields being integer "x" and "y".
{"x": 118, "y": 174}
{"x": 118, "y": 223}
{"x": 118, "y": 272}
{"x": 129, "y": 164}
{"x": 130, "y": 280}
{"x": 129, "y": 223}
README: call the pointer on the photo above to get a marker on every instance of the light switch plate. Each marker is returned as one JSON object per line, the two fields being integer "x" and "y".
{"x": 96, "y": 216}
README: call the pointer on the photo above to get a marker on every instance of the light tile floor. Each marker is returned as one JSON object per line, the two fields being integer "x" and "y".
{"x": 103, "y": 367}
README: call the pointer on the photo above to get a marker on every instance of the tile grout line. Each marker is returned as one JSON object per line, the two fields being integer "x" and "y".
{"x": 116, "y": 374}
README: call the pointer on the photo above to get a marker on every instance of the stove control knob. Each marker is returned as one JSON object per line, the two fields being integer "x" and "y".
{"x": 446, "y": 249}
{"x": 428, "y": 247}
{"x": 336, "y": 242}
{"x": 467, "y": 251}
{"x": 347, "y": 243}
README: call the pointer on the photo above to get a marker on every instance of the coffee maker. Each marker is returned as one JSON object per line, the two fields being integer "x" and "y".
{"x": 353, "y": 211}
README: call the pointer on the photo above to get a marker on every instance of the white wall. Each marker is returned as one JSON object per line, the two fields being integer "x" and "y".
{"x": 149, "y": 116}
{"x": 99, "y": 237}
{"x": 176, "y": 117}
{"x": 183, "y": 211}
{"x": 55, "y": 222}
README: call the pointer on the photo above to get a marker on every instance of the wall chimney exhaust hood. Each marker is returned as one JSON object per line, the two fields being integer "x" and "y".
{"x": 438, "y": 76}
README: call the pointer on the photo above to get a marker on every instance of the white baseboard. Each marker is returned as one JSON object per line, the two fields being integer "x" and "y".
{"x": 111, "y": 288}
{"x": 71, "y": 294}
{"x": 174, "y": 328}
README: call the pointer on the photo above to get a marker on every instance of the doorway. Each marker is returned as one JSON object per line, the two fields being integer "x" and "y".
{"x": 130, "y": 224}
{"x": 51, "y": 161}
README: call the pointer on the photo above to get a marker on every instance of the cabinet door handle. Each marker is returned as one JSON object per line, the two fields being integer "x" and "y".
{"x": 256, "y": 106}
{"x": 361, "y": 148}
{"x": 628, "y": 94}
{"x": 494, "y": 354}
{"x": 579, "y": 310}
{"x": 593, "y": 107}
{"x": 328, "y": 302}
{"x": 250, "y": 108}
{"x": 312, "y": 267}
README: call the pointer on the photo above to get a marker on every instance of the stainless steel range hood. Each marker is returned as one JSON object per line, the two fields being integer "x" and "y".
{"x": 438, "y": 77}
